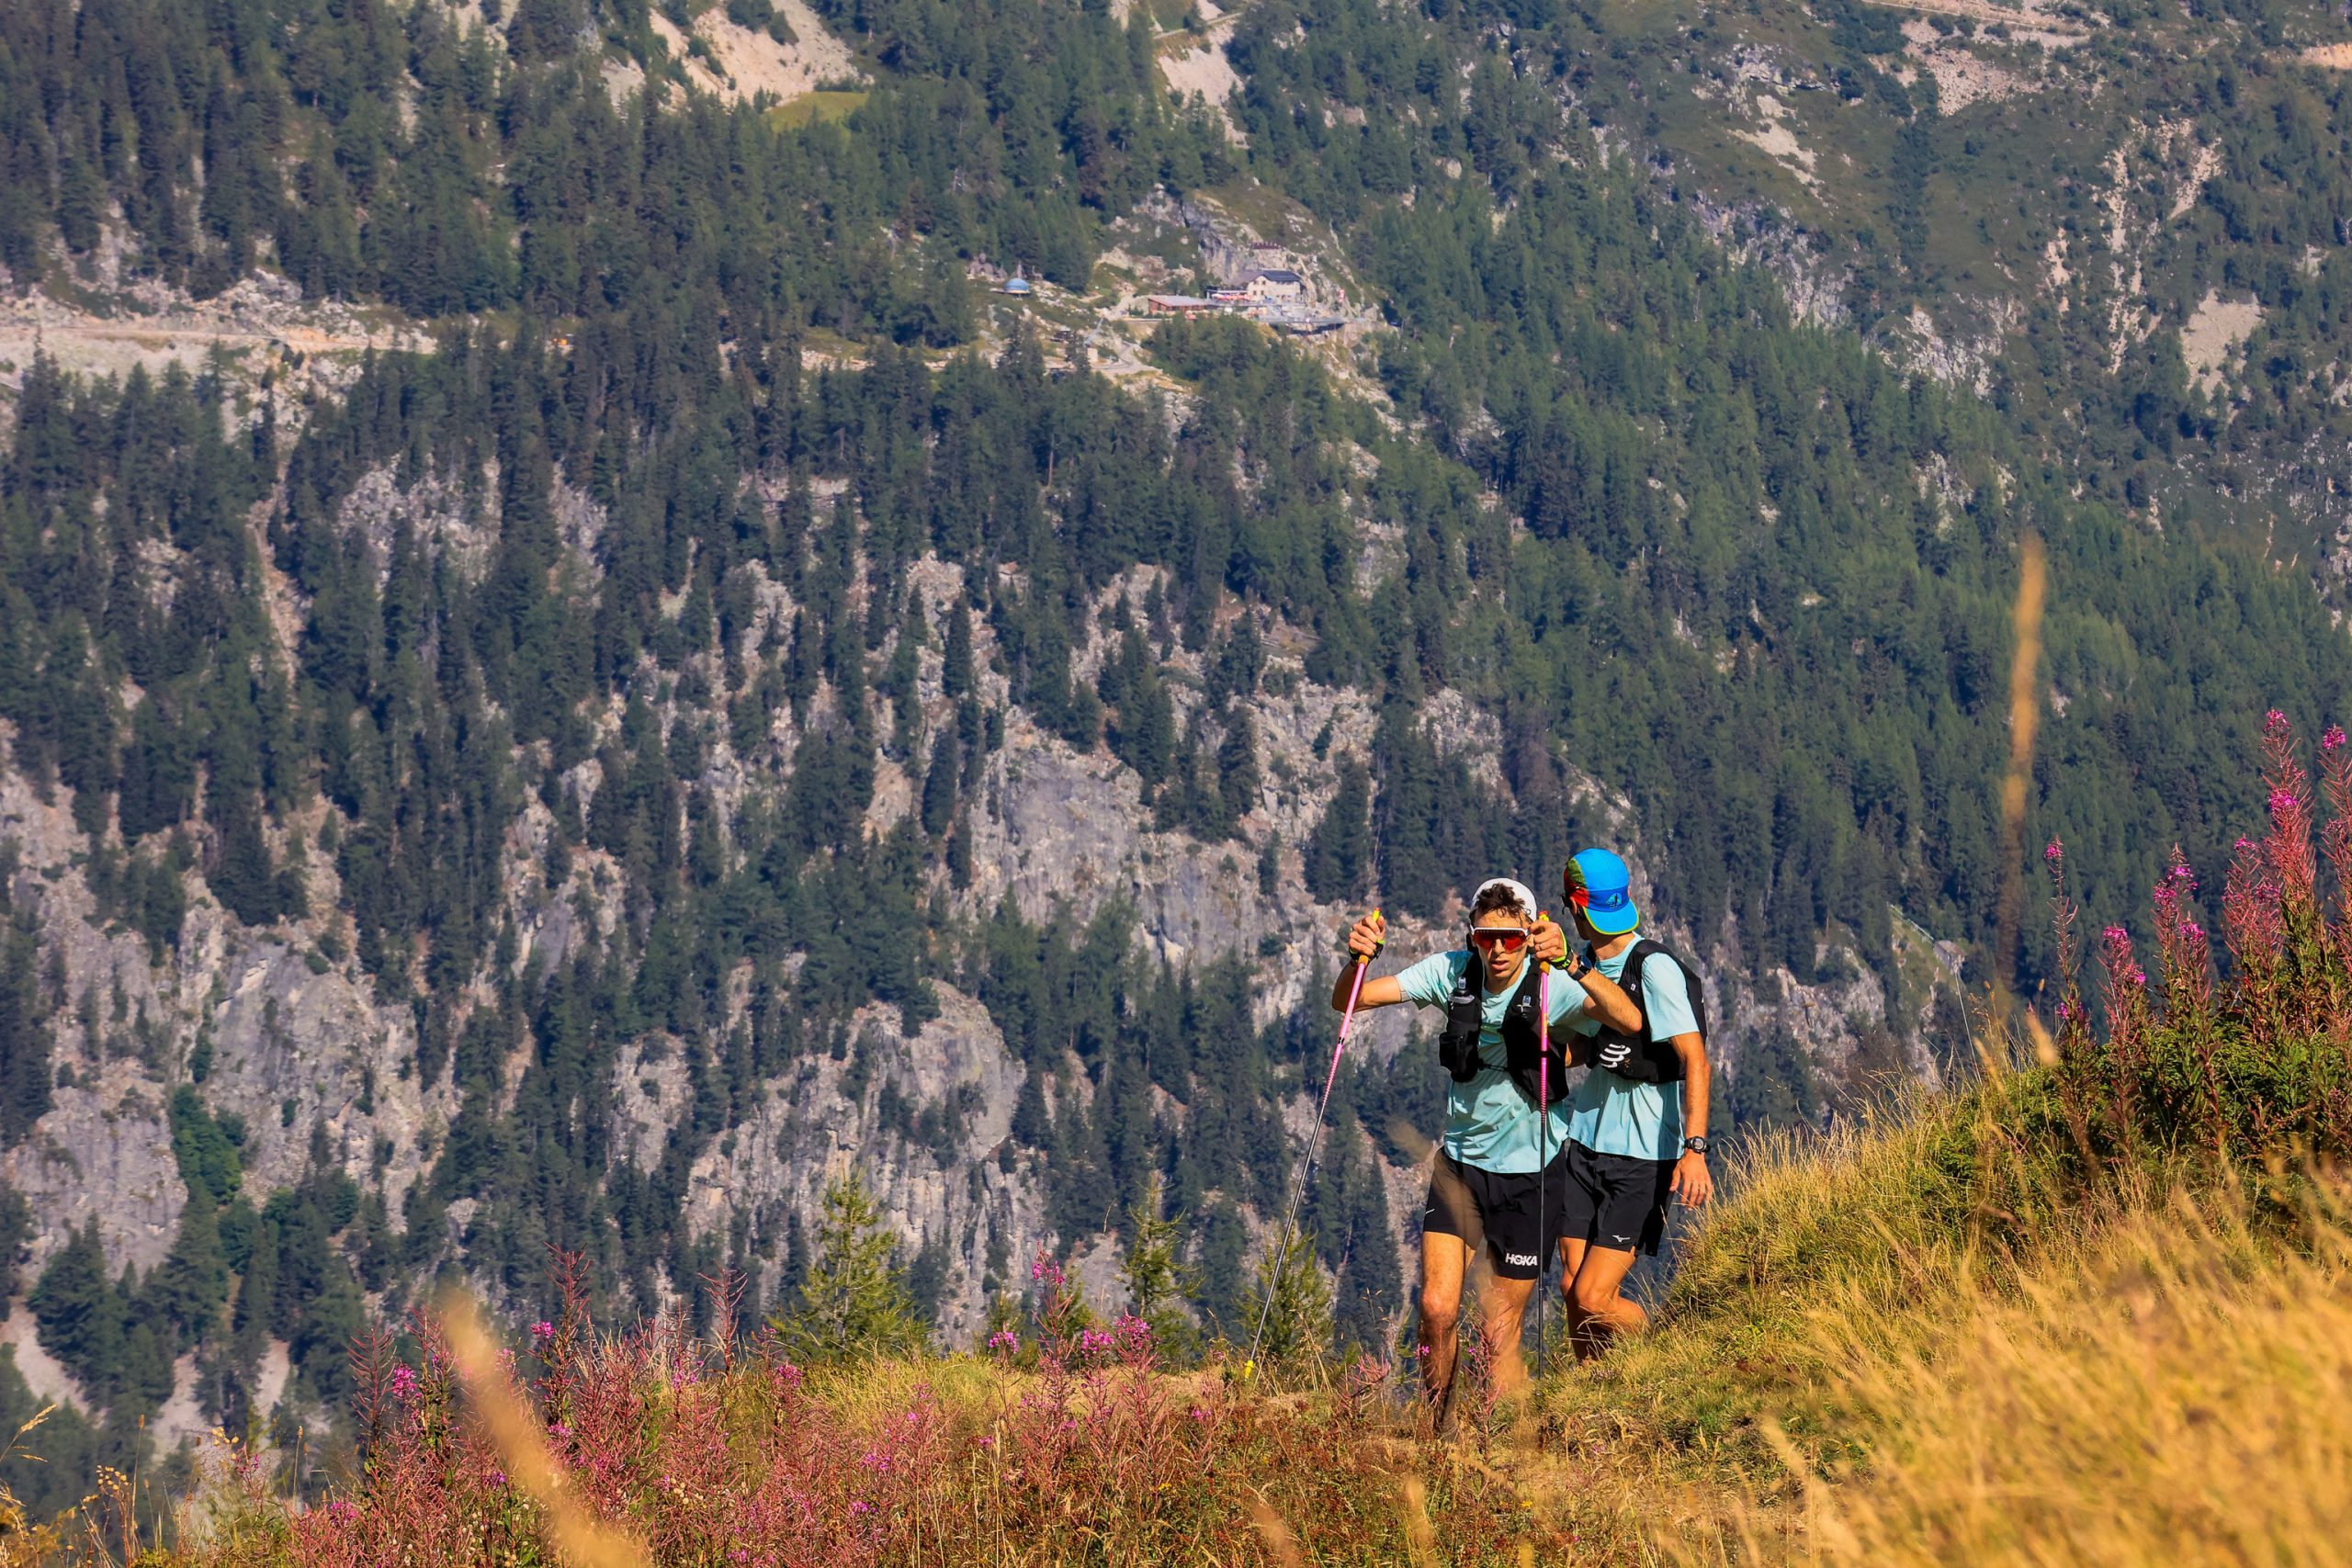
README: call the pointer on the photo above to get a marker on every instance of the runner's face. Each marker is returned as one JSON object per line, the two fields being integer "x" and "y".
{"x": 1502, "y": 959}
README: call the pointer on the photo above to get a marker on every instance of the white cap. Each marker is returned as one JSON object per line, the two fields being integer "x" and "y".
{"x": 1519, "y": 891}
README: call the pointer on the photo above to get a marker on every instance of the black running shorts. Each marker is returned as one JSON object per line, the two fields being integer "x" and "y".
{"x": 1616, "y": 1200}
{"x": 1497, "y": 1209}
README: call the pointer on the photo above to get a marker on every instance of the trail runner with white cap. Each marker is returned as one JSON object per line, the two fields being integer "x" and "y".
{"x": 1489, "y": 1185}
{"x": 1636, "y": 1133}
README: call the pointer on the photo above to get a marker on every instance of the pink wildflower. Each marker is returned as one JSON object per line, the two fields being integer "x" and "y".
{"x": 2055, "y": 852}
{"x": 2333, "y": 740}
{"x": 404, "y": 1383}
{"x": 1134, "y": 1336}
{"x": 542, "y": 1331}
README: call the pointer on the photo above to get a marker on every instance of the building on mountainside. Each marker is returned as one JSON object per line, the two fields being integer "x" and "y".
{"x": 1186, "y": 305}
{"x": 1312, "y": 325}
{"x": 1273, "y": 285}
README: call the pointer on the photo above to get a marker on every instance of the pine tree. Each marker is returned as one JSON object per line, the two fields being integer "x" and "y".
{"x": 1298, "y": 1324}
{"x": 939, "y": 783}
{"x": 1338, "y": 852}
{"x": 955, "y": 663}
{"x": 207, "y": 1154}
{"x": 1156, "y": 1274}
{"x": 191, "y": 1287}
{"x": 79, "y": 1310}
{"x": 854, "y": 1302}
{"x": 16, "y": 1234}
{"x": 1236, "y": 767}
{"x": 24, "y": 1027}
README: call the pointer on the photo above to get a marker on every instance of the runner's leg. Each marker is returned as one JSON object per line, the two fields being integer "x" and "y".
{"x": 1598, "y": 1309}
{"x": 1571, "y": 1260}
{"x": 1506, "y": 1309}
{"x": 1444, "y": 1260}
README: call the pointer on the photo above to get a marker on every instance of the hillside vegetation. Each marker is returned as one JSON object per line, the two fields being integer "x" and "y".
{"x": 2087, "y": 1306}
{"x": 523, "y": 798}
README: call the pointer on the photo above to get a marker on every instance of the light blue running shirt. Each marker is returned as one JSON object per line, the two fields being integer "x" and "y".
{"x": 1489, "y": 1122}
{"x": 1617, "y": 1116}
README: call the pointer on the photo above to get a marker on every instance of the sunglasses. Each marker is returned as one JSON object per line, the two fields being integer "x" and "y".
{"x": 1497, "y": 937}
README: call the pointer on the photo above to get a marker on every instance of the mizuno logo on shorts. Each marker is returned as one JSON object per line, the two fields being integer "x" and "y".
{"x": 1621, "y": 1238}
{"x": 1520, "y": 1259}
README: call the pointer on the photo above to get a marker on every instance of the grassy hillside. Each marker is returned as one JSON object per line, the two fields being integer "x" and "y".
{"x": 2088, "y": 1309}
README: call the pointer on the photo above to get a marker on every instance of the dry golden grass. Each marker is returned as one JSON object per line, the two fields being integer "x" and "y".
{"x": 2178, "y": 1391}
{"x": 1897, "y": 1345}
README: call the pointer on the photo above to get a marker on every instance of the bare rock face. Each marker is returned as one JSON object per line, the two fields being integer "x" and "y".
{"x": 814, "y": 1127}
{"x": 285, "y": 1041}
{"x": 302, "y": 1051}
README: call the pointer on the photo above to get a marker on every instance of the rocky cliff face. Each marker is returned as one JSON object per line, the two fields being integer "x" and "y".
{"x": 289, "y": 1040}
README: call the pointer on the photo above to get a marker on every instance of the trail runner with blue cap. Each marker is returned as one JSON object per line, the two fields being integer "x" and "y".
{"x": 1489, "y": 1186}
{"x": 1628, "y": 1156}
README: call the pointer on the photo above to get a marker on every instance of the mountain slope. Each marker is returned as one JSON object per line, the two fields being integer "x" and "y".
{"x": 736, "y": 706}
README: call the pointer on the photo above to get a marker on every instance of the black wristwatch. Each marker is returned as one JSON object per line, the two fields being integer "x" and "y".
{"x": 1695, "y": 1145}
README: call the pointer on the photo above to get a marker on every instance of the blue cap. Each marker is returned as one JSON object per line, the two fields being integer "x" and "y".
{"x": 1611, "y": 887}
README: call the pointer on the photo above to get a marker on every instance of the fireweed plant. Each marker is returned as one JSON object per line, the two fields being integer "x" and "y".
{"x": 2249, "y": 1069}
{"x": 1067, "y": 1443}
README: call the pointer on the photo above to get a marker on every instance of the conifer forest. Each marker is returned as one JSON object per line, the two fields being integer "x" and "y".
{"x": 615, "y": 613}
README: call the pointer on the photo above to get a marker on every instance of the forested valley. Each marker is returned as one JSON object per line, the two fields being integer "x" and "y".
{"x": 647, "y": 679}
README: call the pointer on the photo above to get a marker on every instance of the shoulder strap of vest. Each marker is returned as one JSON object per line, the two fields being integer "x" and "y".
{"x": 1458, "y": 1044}
{"x": 1630, "y": 978}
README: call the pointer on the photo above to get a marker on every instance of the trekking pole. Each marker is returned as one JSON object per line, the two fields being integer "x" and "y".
{"x": 1314, "y": 1142}
{"x": 1543, "y": 1135}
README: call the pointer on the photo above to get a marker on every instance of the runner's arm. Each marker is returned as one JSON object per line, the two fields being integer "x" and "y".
{"x": 1363, "y": 943}
{"x": 1383, "y": 991}
{"x": 1693, "y": 1183}
{"x": 1604, "y": 999}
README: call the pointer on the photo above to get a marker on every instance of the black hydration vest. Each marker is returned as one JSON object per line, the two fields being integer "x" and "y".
{"x": 1654, "y": 1060}
{"x": 1457, "y": 1048}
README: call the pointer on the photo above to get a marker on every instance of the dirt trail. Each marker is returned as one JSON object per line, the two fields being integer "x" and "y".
{"x": 2023, "y": 22}
{"x": 114, "y": 346}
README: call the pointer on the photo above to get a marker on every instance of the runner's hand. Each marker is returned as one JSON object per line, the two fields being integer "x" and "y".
{"x": 1693, "y": 1183}
{"x": 1615, "y": 1055}
{"x": 1364, "y": 939}
{"x": 1548, "y": 942}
